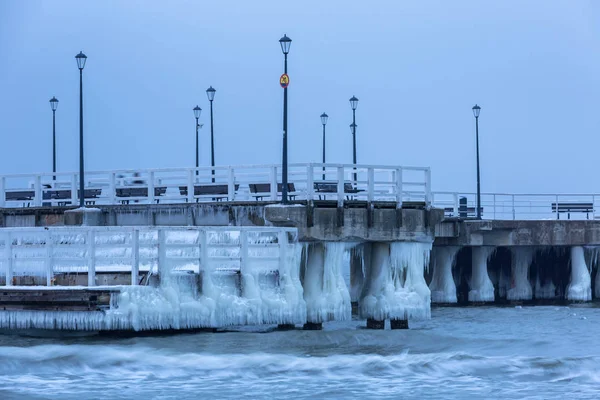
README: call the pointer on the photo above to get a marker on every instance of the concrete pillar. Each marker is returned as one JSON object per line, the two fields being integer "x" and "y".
{"x": 313, "y": 281}
{"x": 482, "y": 289}
{"x": 580, "y": 285}
{"x": 442, "y": 286}
{"x": 359, "y": 257}
{"x": 374, "y": 304}
{"x": 520, "y": 288}
{"x": 399, "y": 324}
{"x": 312, "y": 326}
{"x": 375, "y": 324}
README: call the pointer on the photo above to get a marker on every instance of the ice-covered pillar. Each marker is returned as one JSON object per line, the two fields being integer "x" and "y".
{"x": 359, "y": 257}
{"x": 373, "y": 303}
{"x": 442, "y": 286}
{"x": 579, "y": 288}
{"x": 325, "y": 292}
{"x": 520, "y": 288}
{"x": 482, "y": 288}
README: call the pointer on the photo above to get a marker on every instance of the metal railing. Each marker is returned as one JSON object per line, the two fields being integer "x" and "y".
{"x": 38, "y": 255}
{"x": 340, "y": 182}
{"x": 510, "y": 206}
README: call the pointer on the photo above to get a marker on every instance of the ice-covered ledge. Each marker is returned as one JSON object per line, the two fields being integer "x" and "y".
{"x": 86, "y": 216}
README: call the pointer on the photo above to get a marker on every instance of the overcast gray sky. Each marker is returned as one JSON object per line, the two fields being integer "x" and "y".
{"x": 417, "y": 67}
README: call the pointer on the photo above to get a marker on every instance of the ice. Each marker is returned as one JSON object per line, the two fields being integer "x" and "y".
{"x": 482, "y": 288}
{"x": 546, "y": 291}
{"x": 522, "y": 256}
{"x": 395, "y": 284}
{"x": 579, "y": 288}
{"x": 442, "y": 286}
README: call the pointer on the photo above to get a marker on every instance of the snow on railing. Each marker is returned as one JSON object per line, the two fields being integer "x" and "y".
{"x": 340, "y": 182}
{"x": 509, "y": 206}
{"x": 37, "y": 253}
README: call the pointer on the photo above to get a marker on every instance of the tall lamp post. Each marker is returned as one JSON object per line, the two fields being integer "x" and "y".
{"x": 81, "y": 59}
{"x": 197, "y": 112}
{"x": 353, "y": 105}
{"x": 54, "y": 106}
{"x": 285, "y": 43}
{"x": 476, "y": 111}
{"x": 210, "y": 93}
{"x": 324, "y": 118}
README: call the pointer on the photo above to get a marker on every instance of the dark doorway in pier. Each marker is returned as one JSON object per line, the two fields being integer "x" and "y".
{"x": 550, "y": 264}
{"x": 462, "y": 274}
{"x": 499, "y": 271}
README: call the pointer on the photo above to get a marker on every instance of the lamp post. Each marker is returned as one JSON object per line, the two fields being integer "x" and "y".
{"x": 210, "y": 93}
{"x": 324, "y": 118}
{"x": 353, "y": 105}
{"x": 476, "y": 110}
{"x": 54, "y": 106}
{"x": 81, "y": 59}
{"x": 197, "y": 112}
{"x": 285, "y": 43}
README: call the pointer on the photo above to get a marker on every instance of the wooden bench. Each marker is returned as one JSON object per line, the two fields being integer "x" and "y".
{"x": 64, "y": 196}
{"x": 569, "y": 208}
{"x": 260, "y": 190}
{"x": 217, "y": 191}
{"x": 26, "y": 196}
{"x": 332, "y": 187}
{"x": 463, "y": 212}
{"x": 139, "y": 192}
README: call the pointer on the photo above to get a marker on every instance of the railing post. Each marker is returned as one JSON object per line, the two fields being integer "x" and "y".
{"x": 48, "y": 262}
{"x": 282, "y": 240}
{"x": 203, "y": 261}
{"x": 230, "y": 184}
{"x": 494, "y": 205}
{"x": 91, "y": 257}
{"x": 2, "y": 191}
{"x": 135, "y": 256}
{"x": 112, "y": 188}
{"x": 310, "y": 186}
{"x": 273, "y": 183}
{"x": 455, "y": 211}
{"x": 399, "y": 188}
{"x": 370, "y": 184}
{"x": 9, "y": 259}
{"x": 428, "y": 187}
{"x": 513, "y": 208}
{"x": 190, "y": 186}
{"x": 38, "y": 191}
{"x": 340, "y": 186}
{"x": 151, "y": 187}
{"x": 74, "y": 193}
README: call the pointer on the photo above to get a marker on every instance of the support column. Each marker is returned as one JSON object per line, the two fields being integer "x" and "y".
{"x": 520, "y": 288}
{"x": 482, "y": 289}
{"x": 374, "y": 303}
{"x": 359, "y": 257}
{"x": 580, "y": 286}
{"x": 442, "y": 286}
{"x": 313, "y": 285}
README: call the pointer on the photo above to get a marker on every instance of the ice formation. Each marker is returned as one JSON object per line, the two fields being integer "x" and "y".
{"x": 395, "y": 285}
{"x": 359, "y": 258}
{"x": 520, "y": 289}
{"x": 325, "y": 292}
{"x": 481, "y": 286}
{"x": 442, "y": 286}
{"x": 579, "y": 287}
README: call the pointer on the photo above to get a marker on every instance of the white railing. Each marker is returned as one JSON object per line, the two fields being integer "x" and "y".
{"x": 340, "y": 182}
{"x": 508, "y": 206}
{"x": 39, "y": 255}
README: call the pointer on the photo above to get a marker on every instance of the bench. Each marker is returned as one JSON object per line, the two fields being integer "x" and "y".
{"x": 463, "y": 212}
{"x": 260, "y": 190}
{"x": 217, "y": 191}
{"x": 569, "y": 208}
{"x": 21, "y": 195}
{"x": 332, "y": 187}
{"x": 64, "y": 196}
{"x": 139, "y": 192}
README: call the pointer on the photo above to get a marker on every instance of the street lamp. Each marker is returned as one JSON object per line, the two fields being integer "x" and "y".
{"x": 53, "y": 106}
{"x": 285, "y": 43}
{"x": 197, "y": 112}
{"x": 324, "y": 118}
{"x": 81, "y": 59}
{"x": 476, "y": 111}
{"x": 210, "y": 93}
{"x": 353, "y": 105}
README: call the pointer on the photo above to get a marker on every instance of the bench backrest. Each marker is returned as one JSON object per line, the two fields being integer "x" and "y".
{"x": 565, "y": 207}
{"x": 20, "y": 195}
{"x": 266, "y": 187}
{"x": 200, "y": 190}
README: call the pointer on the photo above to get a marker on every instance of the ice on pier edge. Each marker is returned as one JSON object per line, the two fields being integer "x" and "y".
{"x": 395, "y": 286}
{"x": 579, "y": 287}
{"x": 481, "y": 287}
{"x": 442, "y": 286}
{"x": 522, "y": 256}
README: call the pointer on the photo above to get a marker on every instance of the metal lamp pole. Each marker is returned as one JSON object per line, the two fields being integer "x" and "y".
{"x": 476, "y": 111}
{"x": 54, "y": 106}
{"x": 197, "y": 112}
{"x": 324, "y": 118}
{"x": 210, "y": 93}
{"x": 81, "y": 59}
{"x": 353, "y": 105}
{"x": 285, "y": 43}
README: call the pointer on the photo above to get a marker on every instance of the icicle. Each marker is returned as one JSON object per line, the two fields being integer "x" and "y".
{"x": 442, "y": 286}
{"x": 580, "y": 286}
{"x": 482, "y": 288}
{"x": 357, "y": 269}
{"x": 521, "y": 261}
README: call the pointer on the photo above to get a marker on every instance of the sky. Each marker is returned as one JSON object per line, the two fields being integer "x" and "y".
{"x": 417, "y": 67}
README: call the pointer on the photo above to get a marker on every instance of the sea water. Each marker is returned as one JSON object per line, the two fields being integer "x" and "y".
{"x": 460, "y": 353}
